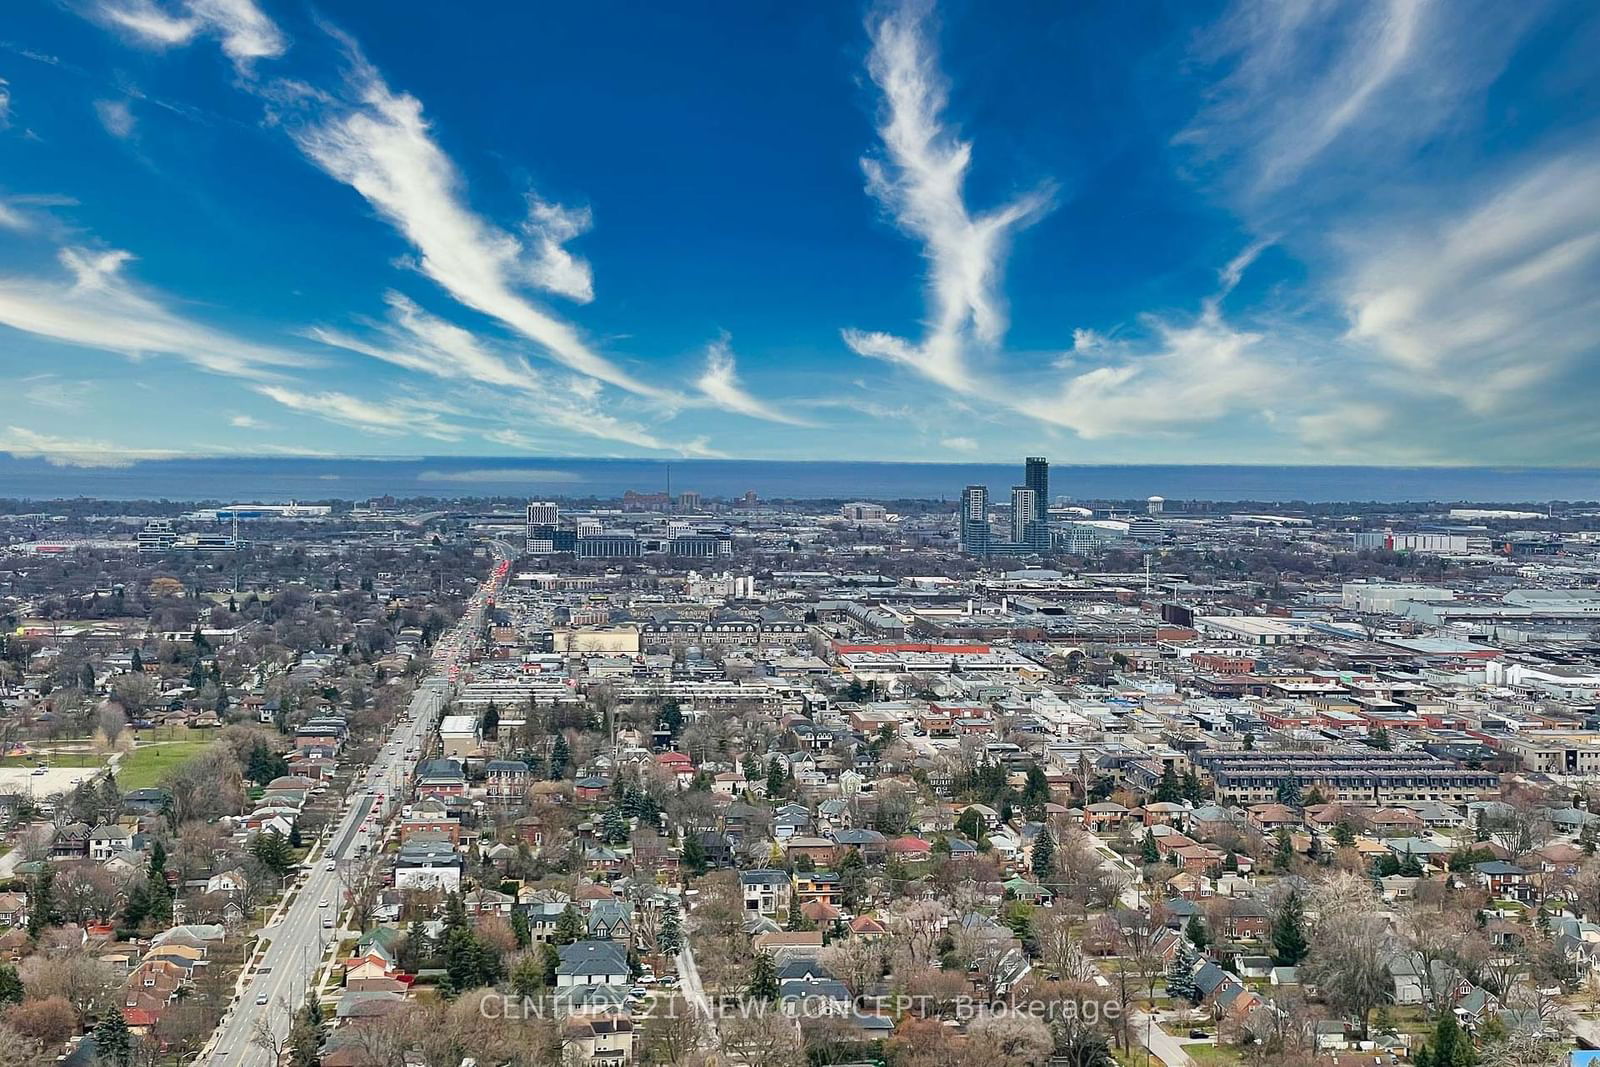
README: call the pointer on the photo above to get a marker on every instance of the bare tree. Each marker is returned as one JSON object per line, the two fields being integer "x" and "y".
{"x": 767, "y": 1037}
{"x": 1010, "y": 1040}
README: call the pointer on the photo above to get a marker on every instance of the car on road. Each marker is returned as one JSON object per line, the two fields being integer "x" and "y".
{"x": 261, "y": 997}
{"x": 331, "y": 865}
{"x": 327, "y": 922}
{"x": 1198, "y": 1035}
{"x": 323, "y": 903}
{"x": 41, "y": 770}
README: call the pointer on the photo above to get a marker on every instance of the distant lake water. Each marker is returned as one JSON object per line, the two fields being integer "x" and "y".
{"x": 270, "y": 480}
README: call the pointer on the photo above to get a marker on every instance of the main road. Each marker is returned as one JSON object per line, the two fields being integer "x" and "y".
{"x": 297, "y": 937}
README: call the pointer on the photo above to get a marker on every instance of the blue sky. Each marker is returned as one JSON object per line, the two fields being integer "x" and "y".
{"x": 1152, "y": 232}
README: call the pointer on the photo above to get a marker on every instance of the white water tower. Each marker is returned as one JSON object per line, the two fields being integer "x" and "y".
{"x": 1154, "y": 505}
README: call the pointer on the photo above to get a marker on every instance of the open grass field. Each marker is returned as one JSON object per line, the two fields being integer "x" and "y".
{"x": 54, "y": 759}
{"x": 1213, "y": 1055}
{"x": 149, "y": 763}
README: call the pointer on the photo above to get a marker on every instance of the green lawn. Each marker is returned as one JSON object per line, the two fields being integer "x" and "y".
{"x": 1213, "y": 1055}
{"x": 54, "y": 759}
{"x": 148, "y": 764}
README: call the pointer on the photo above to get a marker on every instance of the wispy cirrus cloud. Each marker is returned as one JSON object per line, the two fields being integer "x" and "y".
{"x": 117, "y": 117}
{"x": 920, "y": 180}
{"x": 391, "y": 417}
{"x": 96, "y": 306}
{"x": 720, "y": 384}
{"x": 1490, "y": 300}
{"x": 1273, "y": 117}
{"x": 245, "y": 33}
{"x": 61, "y": 451}
{"x": 376, "y": 141}
{"x": 419, "y": 341}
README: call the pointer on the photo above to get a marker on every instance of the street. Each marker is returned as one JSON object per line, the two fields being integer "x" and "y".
{"x": 297, "y": 940}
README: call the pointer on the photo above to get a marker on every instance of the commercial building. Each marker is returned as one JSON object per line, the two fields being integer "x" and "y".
{"x": 543, "y": 513}
{"x": 861, "y": 511}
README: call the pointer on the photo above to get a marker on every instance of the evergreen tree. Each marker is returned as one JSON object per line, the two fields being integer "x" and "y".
{"x": 417, "y": 951}
{"x": 295, "y": 840}
{"x": 570, "y": 926}
{"x": 560, "y": 756}
{"x": 527, "y": 977}
{"x": 306, "y": 1035}
{"x": 158, "y": 898}
{"x": 669, "y": 935}
{"x": 1180, "y": 974}
{"x": 1289, "y": 944}
{"x": 272, "y": 849}
{"x": 11, "y": 991}
{"x": 41, "y": 902}
{"x": 1289, "y": 792}
{"x": 1343, "y": 834}
{"x": 1378, "y": 738}
{"x": 1410, "y": 866}
{"x": 491, "y": 722}
{"x": 1586, "y": 839}
{"x": 1169, "y": 791}
{"x": 1191, "y": 788}
{"x": 1044, "y": 856}
{"x": 1450, "y": 1047}
{"x": 694, "y": 853}
{"x": 797, "y": 919}
{"x": 613, "y": 827}
{"x": 1035, "y": 793}
{"x": 113, "y": 1043}
{"x": 1148, "y": 852}
{"x": 1284, "y": 852}
{"x": 520, "y": 929}
{"x": 1480, "y": 829}
{"x": 550, "y": 956}
{"x": 763, "y": 985}
{"x": 86, "y": 678}
{"x": 1195, "y": 931}
{"x": 775, "y": 777}
{"x": 970, "y": 824}
{"x": 136, "y": 662}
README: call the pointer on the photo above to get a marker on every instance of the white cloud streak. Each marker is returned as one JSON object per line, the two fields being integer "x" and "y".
{"x": 498, "y": 382}
{"x": 720, "y": 384}
{"x": 549, "y": 265}
{"x": 1198, "y": 373}
{"x": 1283, "y": 119}
{"x": 245, "y": 33}
{"x": 391, "y": 417}
{"x": 70, "y": 452}
{"x": 919, "y": 181}
{"x": 380, "y": 145}
{"x": 116, "y": 116}
{"x": 1484, "y": 303}
{"x": 99, "y": 308}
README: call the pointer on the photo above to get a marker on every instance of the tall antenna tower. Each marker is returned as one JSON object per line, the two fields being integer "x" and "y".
{"x": 1147, "y": 558}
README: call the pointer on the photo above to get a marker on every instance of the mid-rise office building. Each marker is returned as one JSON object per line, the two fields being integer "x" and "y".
{"x": 543, "y": 513}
